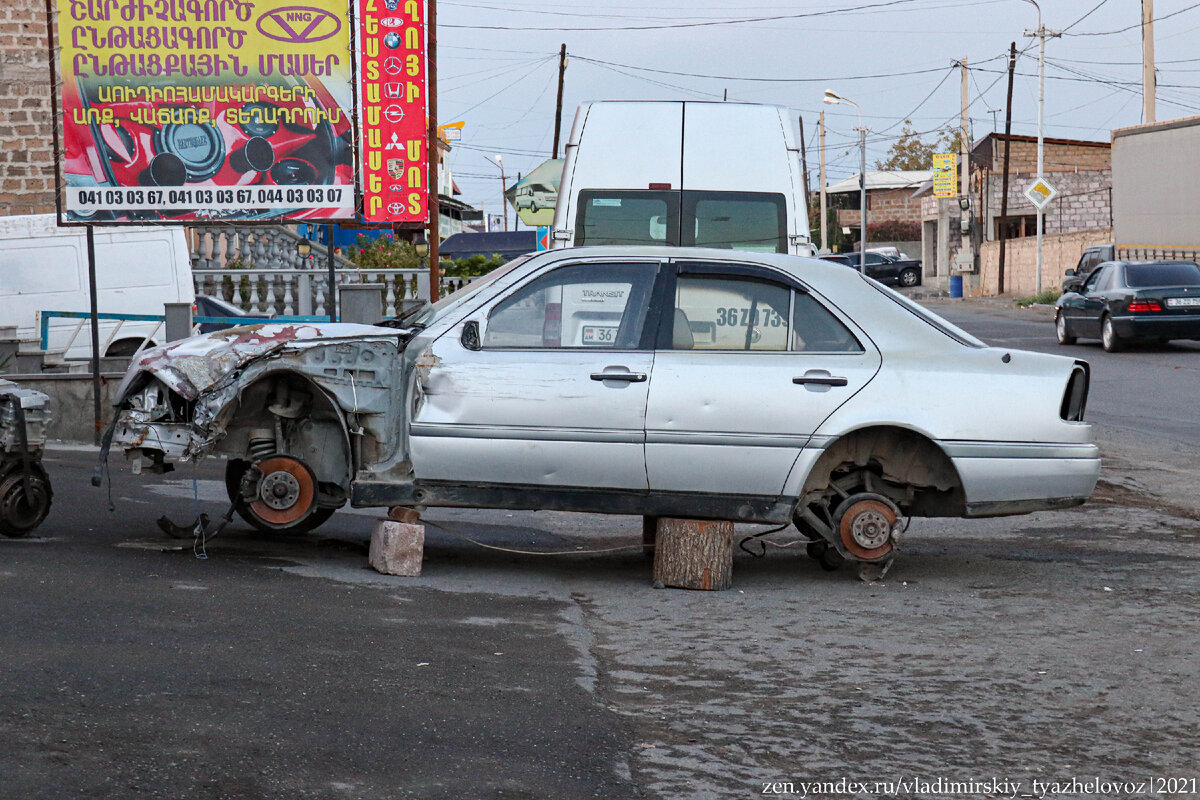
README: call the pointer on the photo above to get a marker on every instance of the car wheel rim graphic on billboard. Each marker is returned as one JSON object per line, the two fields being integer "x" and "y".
{"x": 218, "y": 111}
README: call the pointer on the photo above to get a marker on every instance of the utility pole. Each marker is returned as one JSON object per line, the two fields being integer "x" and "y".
{"x": 1149, "y": 81}
{"x": 435, "y": 156}
{"x": 824, "y": 214}
{"x": 562, "y": 72}
{"x": 499, "y": 162}
{"x": 1041, "y": 33}
{"x": 804, "y": 172}
{"x": 965, "y": 256}
{"x": 1012, "y": 63}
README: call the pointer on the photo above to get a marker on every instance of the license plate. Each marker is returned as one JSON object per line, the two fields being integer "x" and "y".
{"x": 1183, "y": 302}
{"x": 599, "y": 334}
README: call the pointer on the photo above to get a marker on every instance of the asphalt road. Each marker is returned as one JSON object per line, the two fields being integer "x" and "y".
{"x": 1054, "y": 647}
{"x": 1149, "y": 390}
{"x": 1051, "y": 647}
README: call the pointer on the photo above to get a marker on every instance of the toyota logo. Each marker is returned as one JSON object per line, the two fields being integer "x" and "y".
{"x": 298, "y": 24}
{"x": 395, "y": 208}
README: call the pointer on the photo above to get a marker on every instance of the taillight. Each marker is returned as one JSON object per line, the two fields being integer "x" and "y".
{"x": 552, "y": 326}
{"x": 1075, "y": 397}
{"x": 1145, "y": 305}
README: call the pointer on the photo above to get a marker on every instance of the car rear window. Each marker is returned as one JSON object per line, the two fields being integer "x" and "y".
{"x": 1140, "y": 276}
{"x": 953, "y": 331}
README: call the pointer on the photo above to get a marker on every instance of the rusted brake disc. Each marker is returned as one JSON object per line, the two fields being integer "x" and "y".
{"x": 287, "y": 492}
{"x": 865, "y": 523}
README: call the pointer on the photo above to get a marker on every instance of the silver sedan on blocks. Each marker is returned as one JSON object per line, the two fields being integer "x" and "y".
{"x": 662, "y": 382}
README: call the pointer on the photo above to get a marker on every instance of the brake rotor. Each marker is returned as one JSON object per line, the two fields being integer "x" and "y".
{"x": 286, "y": 493}
{"x": 865, "y": 523}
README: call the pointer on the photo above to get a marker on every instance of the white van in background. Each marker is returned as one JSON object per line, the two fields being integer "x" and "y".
{"x": 683, "y": 173}
{"x": 44, "y": 268}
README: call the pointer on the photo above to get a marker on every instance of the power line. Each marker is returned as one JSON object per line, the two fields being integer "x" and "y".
{"x": 1095, "y": 8}
{"x": 760, "y": 79}
{"x": 698, "y": 24}
{"x": 1135, "y": 25}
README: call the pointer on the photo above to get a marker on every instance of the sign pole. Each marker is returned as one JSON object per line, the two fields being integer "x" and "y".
{"x": 332, "y": 300}
{"x": 435, "y": 157}
{"x": 95, "y": 312}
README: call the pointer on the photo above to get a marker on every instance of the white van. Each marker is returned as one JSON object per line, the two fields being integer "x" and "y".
{"x": 683, "y": 173}
{"x": 44, "y": 268}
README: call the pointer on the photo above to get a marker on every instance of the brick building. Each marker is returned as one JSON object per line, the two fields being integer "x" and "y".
{"x": 27, "y": 159}
{"x": 889, "y": 197}
{"x": 1080, "y": 171}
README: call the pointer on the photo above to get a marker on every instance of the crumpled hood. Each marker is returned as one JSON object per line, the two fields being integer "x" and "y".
{"x": 191, "y": 366}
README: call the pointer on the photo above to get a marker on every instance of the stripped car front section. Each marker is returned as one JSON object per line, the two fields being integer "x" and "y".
{"x": 310, "y": 401}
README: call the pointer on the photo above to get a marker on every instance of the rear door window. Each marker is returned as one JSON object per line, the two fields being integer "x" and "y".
{"x": 754, "y": 221}
{"x": 620, "y": 216}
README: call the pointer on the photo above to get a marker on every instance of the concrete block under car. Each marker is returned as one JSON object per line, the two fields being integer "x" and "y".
{"x": 397, "y": 548}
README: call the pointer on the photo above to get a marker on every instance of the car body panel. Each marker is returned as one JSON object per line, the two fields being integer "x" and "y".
{"x": 431, "y": 417}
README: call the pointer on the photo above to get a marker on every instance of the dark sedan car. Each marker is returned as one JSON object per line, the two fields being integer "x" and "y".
{"x": 1125, "y": 301}
{"x": 883, "y": 268}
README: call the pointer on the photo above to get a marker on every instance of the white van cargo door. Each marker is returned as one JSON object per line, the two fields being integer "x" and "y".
{"x": 623, "y": 145}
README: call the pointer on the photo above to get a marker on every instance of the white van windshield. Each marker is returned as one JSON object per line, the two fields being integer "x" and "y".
{"x": 754, "y": 221}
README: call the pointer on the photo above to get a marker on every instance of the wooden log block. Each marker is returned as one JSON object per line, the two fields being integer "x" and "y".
{"x": 694, "y": 554}
{"x": 397, "y": 548}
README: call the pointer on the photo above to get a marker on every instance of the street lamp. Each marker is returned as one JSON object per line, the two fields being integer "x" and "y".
{"x": 833, "y": 98}
{"x": 499, "y": 162}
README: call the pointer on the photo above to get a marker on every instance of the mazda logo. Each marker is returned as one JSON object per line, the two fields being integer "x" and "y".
{"x": 298, "y": 24}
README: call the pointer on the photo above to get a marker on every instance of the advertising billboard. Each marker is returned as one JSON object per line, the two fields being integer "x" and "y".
{"x": 395, "y": 157}
{"x": 945, "y": 175}
{"x": 205, "y": 110}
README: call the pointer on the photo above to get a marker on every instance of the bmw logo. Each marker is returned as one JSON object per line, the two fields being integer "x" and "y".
{"x": 392, "y": 40}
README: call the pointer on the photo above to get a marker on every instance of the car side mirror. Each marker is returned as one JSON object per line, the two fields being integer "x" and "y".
{"x": 470, "y": 335}
{"x": 1070, "y": 273}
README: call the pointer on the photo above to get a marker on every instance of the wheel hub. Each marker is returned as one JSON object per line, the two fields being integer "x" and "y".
{"x": 280, "y": 490}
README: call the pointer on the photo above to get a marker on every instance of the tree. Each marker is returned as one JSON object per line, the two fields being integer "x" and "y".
{"x": 910, "y": 151}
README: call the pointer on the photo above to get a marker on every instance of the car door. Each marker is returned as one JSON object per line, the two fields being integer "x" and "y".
{"x": 880, "y": 267}
{"x": 1090, "y": 305}
{"x": 748, "y": 364}
{"x": 550, "y": 390}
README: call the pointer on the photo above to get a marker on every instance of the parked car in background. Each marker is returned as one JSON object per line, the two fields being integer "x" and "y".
{"x": 883, "y": 268}
{"x": 45, "y": 268}
{"x": 1092, "y": 257}
{"x": 209, "y": 306}
{"x": 652, "y": 381}
{"x": 1128, "y": 301}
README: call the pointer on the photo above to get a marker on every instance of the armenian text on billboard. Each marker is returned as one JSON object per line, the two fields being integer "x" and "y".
{"x": 395, "y": 165}
{"x": 207, "y": 110}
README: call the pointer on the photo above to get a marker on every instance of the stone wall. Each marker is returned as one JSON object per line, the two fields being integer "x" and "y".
{"x": 1060, "y": 252}
{"x": 26, "y": 160}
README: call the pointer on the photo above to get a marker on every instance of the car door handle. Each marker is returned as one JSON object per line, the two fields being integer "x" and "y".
{"x": 821, "y": 380}
{"x": 628, "y": 377}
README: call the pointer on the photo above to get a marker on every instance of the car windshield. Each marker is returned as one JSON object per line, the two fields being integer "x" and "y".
{"x": 1140, "y": 276}
{"x": 431, "y": 313}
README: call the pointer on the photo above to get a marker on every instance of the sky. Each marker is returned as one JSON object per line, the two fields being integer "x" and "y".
{"x": 898, "y": 59}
